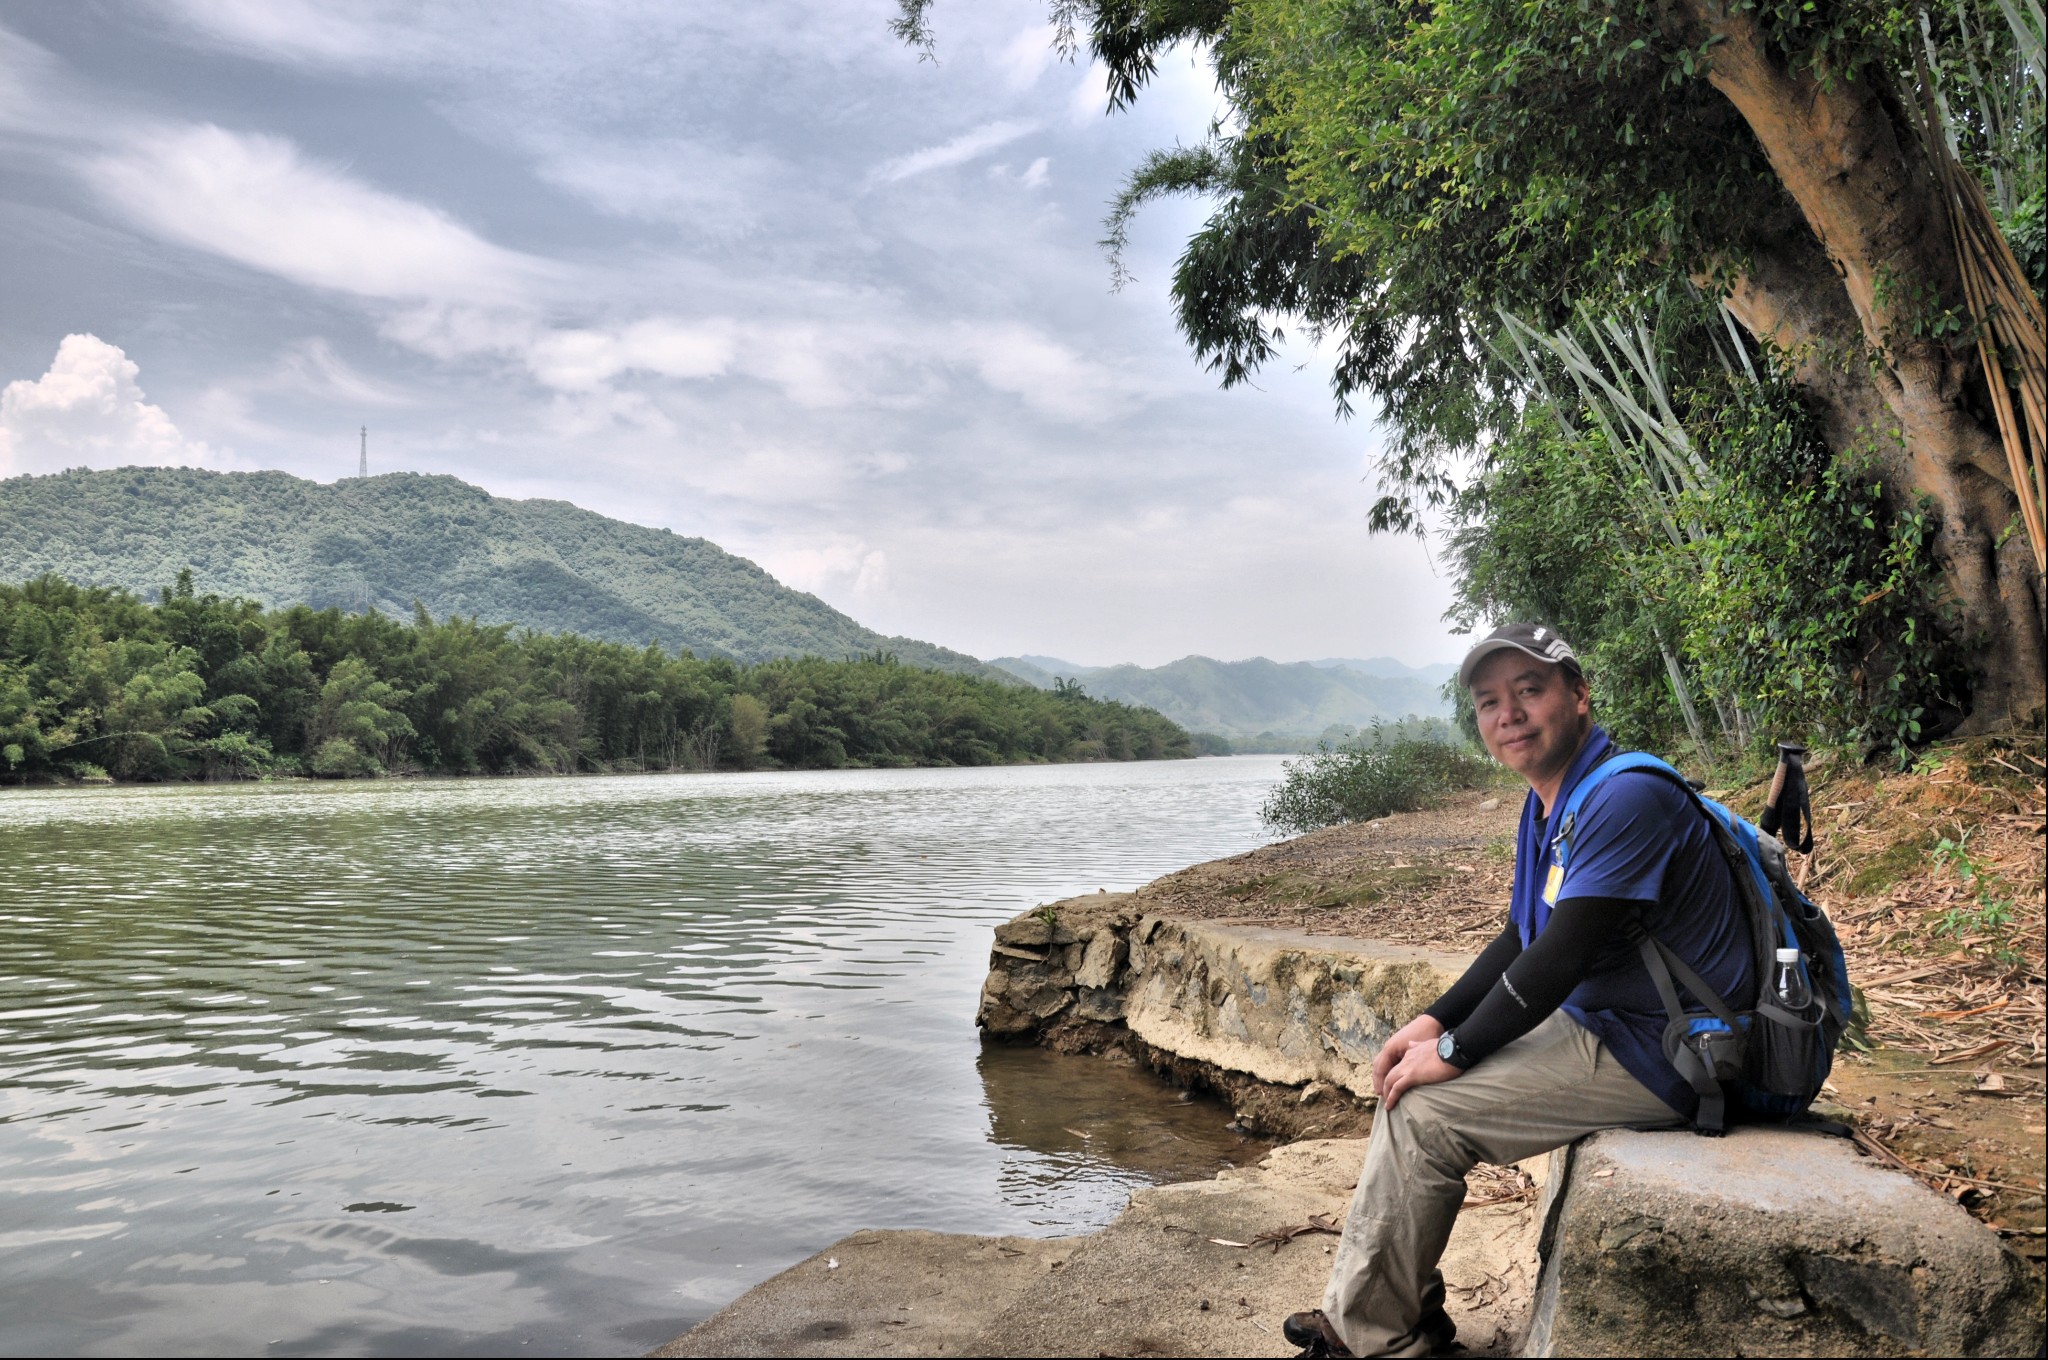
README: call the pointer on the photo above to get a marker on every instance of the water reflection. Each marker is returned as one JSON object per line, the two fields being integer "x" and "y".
{"x": 457, "y": 1067}
{"x": 1095, "y": 1130}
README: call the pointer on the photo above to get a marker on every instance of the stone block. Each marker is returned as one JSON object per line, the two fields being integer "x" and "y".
{"x": 1766, "y": 1242}
{"x": 1029, "y": 932}
{"x": 1099, "y": 963}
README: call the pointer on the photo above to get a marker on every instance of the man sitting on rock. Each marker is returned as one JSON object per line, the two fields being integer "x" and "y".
{"x": 1555, "y": 1031}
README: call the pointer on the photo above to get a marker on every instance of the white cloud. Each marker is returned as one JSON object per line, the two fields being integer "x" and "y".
{"x": 1026, "y": 57}
{"x": 88, "y": 409}
{"x": 601, "y": 410}
{"x": 453, "y": 332}
{"x": 254, "y": 199}
{"x": 1036, "y": 173}
{"x": 569, "y": 359}
{"x": 312, "y": 367}
{"x": 311, "y": 31}
{"x": 839, "y": 568}
{"x": 1049, "y": 377}
{"x": 966, "y": 147}
{"x": 716, "y": 192}
{"x": 1090, "y": 99}
{"x": 578, "y": 360}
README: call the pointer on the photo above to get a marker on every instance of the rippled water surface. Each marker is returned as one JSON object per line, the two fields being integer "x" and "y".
{"x": 558, "y": 1065}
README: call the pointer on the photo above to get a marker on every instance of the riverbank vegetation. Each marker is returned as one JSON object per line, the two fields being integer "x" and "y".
{"x": 1398, "y": 768}
{"x": 1713, "y": 332}
{"x": 96, "y": 683}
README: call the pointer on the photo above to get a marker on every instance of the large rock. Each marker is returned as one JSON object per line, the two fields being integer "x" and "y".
{"x": 1766, "y": 1242}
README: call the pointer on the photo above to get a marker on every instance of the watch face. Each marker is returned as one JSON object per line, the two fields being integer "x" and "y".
{"x": 1446, "y": 1046}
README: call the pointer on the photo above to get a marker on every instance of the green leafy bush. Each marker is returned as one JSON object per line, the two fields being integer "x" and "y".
{"x": 340, "y": 758}
{"x": 1368, "y": 778}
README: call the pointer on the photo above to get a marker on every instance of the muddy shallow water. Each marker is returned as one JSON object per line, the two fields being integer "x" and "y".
{"x": 555, "y": 1064}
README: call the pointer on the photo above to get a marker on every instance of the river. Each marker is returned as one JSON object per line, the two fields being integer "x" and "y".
{"x": 546, "y": 1065}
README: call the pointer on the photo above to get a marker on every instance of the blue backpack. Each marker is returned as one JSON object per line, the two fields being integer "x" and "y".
{"x": 1769, "y": 1061}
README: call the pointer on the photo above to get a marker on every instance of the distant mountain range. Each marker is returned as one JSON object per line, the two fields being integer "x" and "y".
{"x": 1389, "y": 669}
{"x": 1243, "y": 699}
{"x": 388, "y": 541}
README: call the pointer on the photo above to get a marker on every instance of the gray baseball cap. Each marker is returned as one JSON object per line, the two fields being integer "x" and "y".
{"x": 1538, "y": 640}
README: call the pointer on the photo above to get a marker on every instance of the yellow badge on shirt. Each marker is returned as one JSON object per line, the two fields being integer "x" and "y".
{"x": 1550, "y": 887}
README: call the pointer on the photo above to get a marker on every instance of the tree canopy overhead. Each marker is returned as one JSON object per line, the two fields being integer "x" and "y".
{"x": 1400, "y": 177}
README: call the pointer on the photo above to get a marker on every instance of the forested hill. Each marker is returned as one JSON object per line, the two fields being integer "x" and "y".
{"x": 1246, "y": 698}
{"x": 401, "y": 537}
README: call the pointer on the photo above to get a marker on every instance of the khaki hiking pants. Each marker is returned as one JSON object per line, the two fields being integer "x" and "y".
{"x": 1554, "y": 1084}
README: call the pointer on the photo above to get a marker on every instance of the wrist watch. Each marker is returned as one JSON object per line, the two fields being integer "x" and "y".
{"x": 1447, "y": 1049}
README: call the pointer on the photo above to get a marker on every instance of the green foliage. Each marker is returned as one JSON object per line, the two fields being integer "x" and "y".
{"x": 1367, "y": 778}
{"x": 1796, "y": 602}
{"x": 1992, "y": 912}
{"x": 96, "y": 683}
{"x": 386, "y": 542}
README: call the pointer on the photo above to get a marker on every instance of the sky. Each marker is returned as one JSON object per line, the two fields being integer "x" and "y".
{"x": 749, "y": 271}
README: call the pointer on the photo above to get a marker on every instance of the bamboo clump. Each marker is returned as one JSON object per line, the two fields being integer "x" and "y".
{"x": 2004, "y": 311}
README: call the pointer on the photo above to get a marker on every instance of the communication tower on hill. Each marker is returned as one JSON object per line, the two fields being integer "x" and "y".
{"x": 363, "y": 463}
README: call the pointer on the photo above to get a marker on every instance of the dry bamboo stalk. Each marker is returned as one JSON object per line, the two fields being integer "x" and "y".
{"x": 1991, "y": 313}
{"x": 2001, "y": 305}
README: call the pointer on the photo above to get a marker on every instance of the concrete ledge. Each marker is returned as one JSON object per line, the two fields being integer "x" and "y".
{"x": 1281, "y": 1005}
{"x": 1766, "y": 1242}
{"x": 1284, "y": 1006}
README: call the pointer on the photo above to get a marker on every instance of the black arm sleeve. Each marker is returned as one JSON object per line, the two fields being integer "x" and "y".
{"x": 1469, "y": 990}
{"x": 1544, "y": 974}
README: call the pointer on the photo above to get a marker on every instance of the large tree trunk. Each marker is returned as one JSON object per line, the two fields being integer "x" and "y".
{"x": 1871, "y": 202}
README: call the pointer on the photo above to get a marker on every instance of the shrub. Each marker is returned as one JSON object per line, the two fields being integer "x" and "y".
{"x": 340, "y": 758}
{"x": 1368, "y": 778}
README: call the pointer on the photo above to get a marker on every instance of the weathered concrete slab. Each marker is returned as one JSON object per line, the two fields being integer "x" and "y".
{"x": 1138, "y": 1287}
{"x": 1284, "y": 1006}
{"x": 1281, "y": 1005}
{"x": 1767, "y": 1242}
{"x": 881, "y": 1293}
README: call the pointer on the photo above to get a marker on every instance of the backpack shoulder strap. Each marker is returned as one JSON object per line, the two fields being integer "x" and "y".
{"x": 1568, "y": 815}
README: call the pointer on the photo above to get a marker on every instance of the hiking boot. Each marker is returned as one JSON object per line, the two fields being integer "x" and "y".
{"x": 1313, "y": 1333}
{"x": 1436, "y": 1324}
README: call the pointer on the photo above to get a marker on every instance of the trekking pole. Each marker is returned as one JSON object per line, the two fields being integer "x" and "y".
{"x": 1789, "y": 807}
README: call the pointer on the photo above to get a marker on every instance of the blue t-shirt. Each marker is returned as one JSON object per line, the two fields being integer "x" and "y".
{"x": 1639, "y": 838}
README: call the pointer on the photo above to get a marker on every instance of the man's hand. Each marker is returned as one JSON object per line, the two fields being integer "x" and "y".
{"x": 1421, "y": 1032}
{"x": 1419, "y": 1067}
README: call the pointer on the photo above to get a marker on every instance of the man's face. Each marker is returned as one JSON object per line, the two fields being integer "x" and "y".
{"x": 1532, "y": 714}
